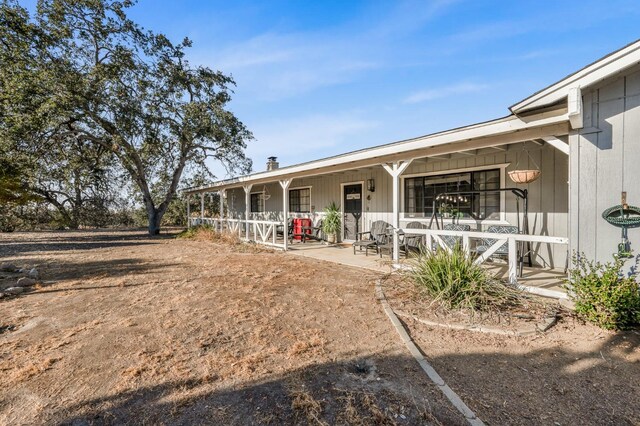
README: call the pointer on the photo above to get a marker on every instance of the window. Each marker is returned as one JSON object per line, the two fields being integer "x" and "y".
{"x": 421, "y": 192}
{"x": 300, "y": 200}
{"x": 257, "y": 202}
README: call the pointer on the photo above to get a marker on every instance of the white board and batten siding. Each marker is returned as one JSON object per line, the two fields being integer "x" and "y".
{"x": 605, "y": 161}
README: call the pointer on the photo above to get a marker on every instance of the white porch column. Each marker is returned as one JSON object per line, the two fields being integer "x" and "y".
{"x": 247, "y": 207}
{"x": 513, "y": 261}
{"x": 202, "y": 208}
{"x": 222, "y": 193}
{"x": 188, "y": 210}
{"x": 395, "y": 170}
{"x": 285, "y": 210}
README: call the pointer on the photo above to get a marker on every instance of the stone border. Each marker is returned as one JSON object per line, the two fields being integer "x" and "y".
{"x": 469, "y": 415}
{"x": 522, "y": 332}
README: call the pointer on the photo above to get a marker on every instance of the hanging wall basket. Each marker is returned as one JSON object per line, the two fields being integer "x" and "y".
{"x": 524, "y": 176}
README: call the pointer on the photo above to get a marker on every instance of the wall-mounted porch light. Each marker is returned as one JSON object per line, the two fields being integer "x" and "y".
{"x": 371, "y": 185}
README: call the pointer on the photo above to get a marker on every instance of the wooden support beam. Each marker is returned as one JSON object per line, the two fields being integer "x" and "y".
{"x": 395, "y": 170}
{"x": 202, "y": 207}
{"x": 247, "y": 208}
{"x": 188, "y": 197}
{"x": 222, "y": 193}
{"x": 557, "y": 143}
{"x": 285, "y": 211}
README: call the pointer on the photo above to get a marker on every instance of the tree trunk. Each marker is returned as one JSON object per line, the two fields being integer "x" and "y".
{"x": 155, "y": 217}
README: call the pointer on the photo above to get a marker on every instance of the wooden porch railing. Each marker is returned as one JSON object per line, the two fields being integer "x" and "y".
{"x": 263, "y": 231}
{"x": 512, "y": 240}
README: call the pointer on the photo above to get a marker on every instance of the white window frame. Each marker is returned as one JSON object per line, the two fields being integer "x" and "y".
{"x": 310, "y": 199}
{"x": 264, "y": 202}
{"x": 503, "y": 205}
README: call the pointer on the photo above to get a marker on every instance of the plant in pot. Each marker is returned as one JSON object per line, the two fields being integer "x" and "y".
{"x": 332, "y": 222}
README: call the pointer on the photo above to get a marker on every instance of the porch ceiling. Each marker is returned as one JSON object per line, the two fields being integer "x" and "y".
{"x": 466, "y": 141}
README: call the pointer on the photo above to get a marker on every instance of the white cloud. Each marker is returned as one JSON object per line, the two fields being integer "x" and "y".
{"x": 274, "y": 65}
{"x": 444, "y": 92}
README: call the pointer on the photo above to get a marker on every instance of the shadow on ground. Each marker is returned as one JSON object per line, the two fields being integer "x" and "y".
{"x": 501, "y": 388}
{"x": 127, "y": 272}
{"x": 54, "y": 241}
{"x": 364, "y": 391}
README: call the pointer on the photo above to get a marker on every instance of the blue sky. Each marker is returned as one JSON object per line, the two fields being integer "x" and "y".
{"x": 318, "y": 78}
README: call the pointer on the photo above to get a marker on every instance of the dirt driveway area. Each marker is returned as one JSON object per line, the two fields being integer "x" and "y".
{"x": 132, "y": 330}
{"x": 165, "y": 331}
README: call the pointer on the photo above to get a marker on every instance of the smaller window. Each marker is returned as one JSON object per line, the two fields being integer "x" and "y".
{"x": 257, "y": 202}
{"x": 300, "y": 200}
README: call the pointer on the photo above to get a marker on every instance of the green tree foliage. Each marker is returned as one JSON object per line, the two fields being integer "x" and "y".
{"x": 81, "y": 71}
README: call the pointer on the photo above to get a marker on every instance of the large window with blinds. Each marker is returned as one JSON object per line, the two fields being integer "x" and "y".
{"x": 300, "y": 200}
{"x": 421, "y": 192}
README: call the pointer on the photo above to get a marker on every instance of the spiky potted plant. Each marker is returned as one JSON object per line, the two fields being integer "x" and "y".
{"x": 332, "y": 222}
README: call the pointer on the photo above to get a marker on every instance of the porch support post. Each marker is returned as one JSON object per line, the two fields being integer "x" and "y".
{"x": 513, "y": 261}
{"x": 247, "y": 207}
{"x": 188, "y": 210}
{"x": 202, "y": 207}
{"x": 222, "y": 193}
{"x": 285, "y": 211}
{"x": 395, "y": 170}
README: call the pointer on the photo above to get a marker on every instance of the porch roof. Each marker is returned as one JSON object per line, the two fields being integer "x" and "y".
{"x": 506, "y": 130}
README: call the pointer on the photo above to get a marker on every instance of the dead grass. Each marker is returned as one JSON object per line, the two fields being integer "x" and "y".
{"x": 34, "y": 368}
{"x": 305, "y": 406}
{"x": 209, "y": 234}
{"x": 312, "y": 344}
{"x": 201, "y": 333}
{"x": 362, "y": 409}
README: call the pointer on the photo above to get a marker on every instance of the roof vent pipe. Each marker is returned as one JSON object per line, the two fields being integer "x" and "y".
{"x": 272, "y": 163}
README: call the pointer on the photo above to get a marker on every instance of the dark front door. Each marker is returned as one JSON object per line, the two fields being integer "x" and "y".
{"x": 352, "y": 203}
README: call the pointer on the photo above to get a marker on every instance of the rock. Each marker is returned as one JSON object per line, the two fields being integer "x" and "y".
{"x": 13, "y": 290}
{"x": 8, "y": 267}
{"x": 33, "y": 273}
{"x": 26, "y": 282}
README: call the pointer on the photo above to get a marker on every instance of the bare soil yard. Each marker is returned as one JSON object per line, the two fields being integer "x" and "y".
{"x": 138, "y": 330}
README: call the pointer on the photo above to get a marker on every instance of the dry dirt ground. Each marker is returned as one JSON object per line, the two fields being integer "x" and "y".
{"x": 164, "y": 331}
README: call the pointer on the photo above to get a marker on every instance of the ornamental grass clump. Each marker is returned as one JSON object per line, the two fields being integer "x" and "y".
{"x": 603, "y": 294}
{"x": 454, "y": 281}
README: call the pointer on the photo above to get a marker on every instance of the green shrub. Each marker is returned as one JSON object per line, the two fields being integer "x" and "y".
{"x": 603, "y": 294}
{"x": 454, "y": 281}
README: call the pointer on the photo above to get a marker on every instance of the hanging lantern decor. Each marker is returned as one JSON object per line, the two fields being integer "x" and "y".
{"x": 523, "y": 176}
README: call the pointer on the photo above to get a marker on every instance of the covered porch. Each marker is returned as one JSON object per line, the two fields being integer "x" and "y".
{"x": 397, "y": 184}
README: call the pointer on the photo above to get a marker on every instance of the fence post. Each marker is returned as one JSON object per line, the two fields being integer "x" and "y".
{"x": 465, "y": 244}
{"x": 513, "y": 261}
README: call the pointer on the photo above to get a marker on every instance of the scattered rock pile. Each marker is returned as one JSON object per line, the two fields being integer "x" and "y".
{"x": 26, "y": 279}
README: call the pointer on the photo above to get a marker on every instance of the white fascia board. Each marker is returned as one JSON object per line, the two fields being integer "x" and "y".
{"x": 376, "y": 155}
{"x": 609, "y": 65}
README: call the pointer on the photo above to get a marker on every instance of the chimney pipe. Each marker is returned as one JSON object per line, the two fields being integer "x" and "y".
{"x": 272, "y": 163}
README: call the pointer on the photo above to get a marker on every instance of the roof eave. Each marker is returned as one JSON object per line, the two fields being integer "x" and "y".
{"x": 593, "y": 73}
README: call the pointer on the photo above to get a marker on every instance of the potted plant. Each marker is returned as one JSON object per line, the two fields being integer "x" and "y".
{"x": 332, "y": 222}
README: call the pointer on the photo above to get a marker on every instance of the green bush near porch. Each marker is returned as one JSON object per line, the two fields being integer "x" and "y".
{"x": 453, "y": 280}
{"x": 603, "y": 294}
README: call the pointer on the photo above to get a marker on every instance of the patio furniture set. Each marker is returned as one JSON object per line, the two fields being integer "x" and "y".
{"x": 380, "y": 238}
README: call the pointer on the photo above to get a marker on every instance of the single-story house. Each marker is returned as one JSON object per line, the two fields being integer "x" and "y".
{"x": 582, "y": 134}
